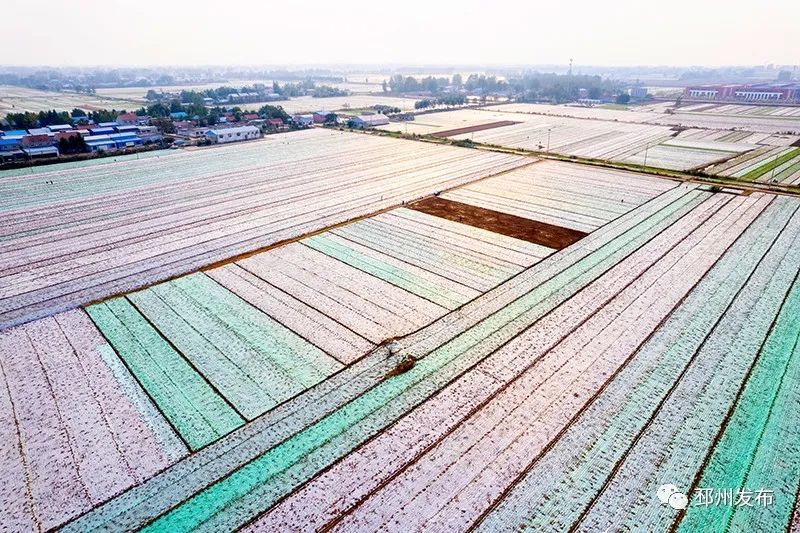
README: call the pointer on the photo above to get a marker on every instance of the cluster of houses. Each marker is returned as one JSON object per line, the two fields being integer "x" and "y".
{"x": 358, "y": 121}
{"x": 251, "y": 125}
{"x": 129, "y": 130}
{"x": 190, "y": 129}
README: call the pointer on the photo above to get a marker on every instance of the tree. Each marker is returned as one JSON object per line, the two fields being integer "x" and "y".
{"x": 78, "y": 113}
{"x": 158, "y": 110}
{"x": 72, "y": 145}
{"x": 164, "y": 125}
{"x": 272, "y": 111}
{"x": 385, "y": 86}
{"x": 623, "y": 98}
{"x": 457, "y": 80}
{"x": 104, "y": 115}
{"x": 23, "y": 121}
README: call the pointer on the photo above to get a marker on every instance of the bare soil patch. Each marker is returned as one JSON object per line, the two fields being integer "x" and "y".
{"x": 470, "y": 129}
{"x": 503, "y": 223}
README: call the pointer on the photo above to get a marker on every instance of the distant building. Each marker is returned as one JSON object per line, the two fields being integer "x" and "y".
{"x": 41, "y": 151}
{"x": 303, "y": 120}
{"x": 11, "y": 148}
{"x": 638, "y": 92}
{"x": 97, "y": 143}
{"x": 227, "y": 135}
{"x": 38, "y": 140}
{"x": 192, "y": 132}
{"x": 149, "y": 133}
{"x": 250, "y": 116}
{"x": 126, "y": 140}
{"x": 128, "y": 119}
{"x": 320, "y": 117}
{"x": 67, "y": 134}
{"x": 761, "y": 92}
{"x": 178, "y": 115}
{"x": 275, "y": 124}
{"x": 369, "y": 121}
{"x": 103, "y": 131}
{"x": 59, "y": 127}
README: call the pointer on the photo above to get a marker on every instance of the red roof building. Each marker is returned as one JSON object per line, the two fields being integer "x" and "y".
{"x": 127, "y": 119}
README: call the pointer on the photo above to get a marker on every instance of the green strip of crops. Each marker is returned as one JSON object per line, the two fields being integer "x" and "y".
{"x": 558, "y": 487}
{"x": 767, "y": 167}
{"x": 198, "y": 413}
{"x": 763, "y": 423}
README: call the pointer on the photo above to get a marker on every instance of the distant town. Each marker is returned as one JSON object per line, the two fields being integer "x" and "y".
{"x": 209, "y": 112}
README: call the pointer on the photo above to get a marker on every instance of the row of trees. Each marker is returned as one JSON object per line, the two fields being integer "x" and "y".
{"x": 306, "y": 87}
{"x": 408, "y": 84}
{"x": 529, "y": 86}
{"x": 446, "y": 99}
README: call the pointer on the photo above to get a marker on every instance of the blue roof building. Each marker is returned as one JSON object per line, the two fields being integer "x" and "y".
{"x": 178, "y": 115}
{"x": 126, "y": 140}
{"x": 12, "y": 143}
{"x": 96, "y": 143}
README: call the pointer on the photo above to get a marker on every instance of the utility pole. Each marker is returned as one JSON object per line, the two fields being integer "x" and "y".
{"x": 548, "y": 139}
{"x": 569, "y": 80}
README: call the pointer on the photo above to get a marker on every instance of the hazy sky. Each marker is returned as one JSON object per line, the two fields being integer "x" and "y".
{"x": 620, "y": 32}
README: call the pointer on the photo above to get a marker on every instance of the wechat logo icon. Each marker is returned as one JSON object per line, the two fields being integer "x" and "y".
{"x": 669, "y": 494}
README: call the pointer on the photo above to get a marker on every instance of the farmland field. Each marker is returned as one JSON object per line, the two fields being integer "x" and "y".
{"x": 632, "y": 358}
{"x": 764, "y": 119}
{"x": 87, "y": 232}
{"x": 563, "y": 194}
{"x": 307, "y": 104}
{"x": 614, "y": 135}
{"x": 599, "y": 113}
{"x": 20, "y": 99}
{"x": 333, "y": 331}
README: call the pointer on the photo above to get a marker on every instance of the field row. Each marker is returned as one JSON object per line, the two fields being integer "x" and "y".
{"x": 743, "y": 110}
{"x": 76, "y": 427}
{"x": 578, "y": 132}
{"x": 218, "y": 349}
{"x": 188, "y": 361}
{"x": 563, "y": 194}
{"x": 781, "y": 164}
{"x": 281, "y": 451}
{"x": 58, "y": 254}
{"x": 20, "y": 99}
{"x": 758, "y": 119}
{"x": 591, "y": 379}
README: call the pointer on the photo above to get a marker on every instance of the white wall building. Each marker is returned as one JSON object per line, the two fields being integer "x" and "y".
{"x": 229, "y": 135}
